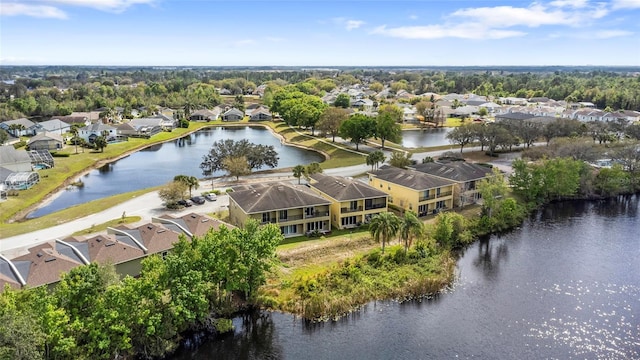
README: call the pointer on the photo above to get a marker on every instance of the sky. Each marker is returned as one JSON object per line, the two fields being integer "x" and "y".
{"x": 319, "y": 33}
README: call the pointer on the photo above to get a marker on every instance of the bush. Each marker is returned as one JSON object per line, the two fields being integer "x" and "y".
{"x": 20, "y": 144}
{"x": 229, "y": 190}
{"x": 223, "y": 325}
{"x": 55, "y": 154}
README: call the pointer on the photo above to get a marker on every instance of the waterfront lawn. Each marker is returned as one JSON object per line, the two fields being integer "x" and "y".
{"x": 69, "y": 166}
{"x": 66, "y": 215}
{"x": 340, "y": 155}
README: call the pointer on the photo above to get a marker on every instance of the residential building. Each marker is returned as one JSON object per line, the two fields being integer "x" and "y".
{"x": 190, "y": 224}
{"x": 206, "y": 114}
{"x": 46, "y": 141}
{"x": 20, "y": 127}
{"x": 91, "y": 132}
{"x": 14, "y": 160}
{"x": 56, "y": 126}
{"x": 465, "y": 174}
{"x": 260, "y": 114}
{"x": 513, "y": 116}
{"x": 353, "y": 202}
{"x": 413, "y": 190}
{"x": 297, "y": 210}
{"x": 232, "y": 114}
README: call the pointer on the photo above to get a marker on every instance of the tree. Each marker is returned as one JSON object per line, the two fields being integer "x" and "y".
{"x": 384, "y": 226}
{"x": 357, "y": 128}
{"x": 483, "y": 111}
{"x": 331, "y": 120}
{"x": 462, "y": 135}
{"x": 400, "y": 159}
{"x": 387, "y": 129}
{"x": 257, "y": 156}
{"x": 238, "y": 102}
{"x": 299, "y": 171}
{"x": 100, "y": 143}
{"x": 236, "y": 166}
{"x": 312, "y": 168}
{"x": 410, "y": 228}
{"x": 342, "y": 101}
{"x": 375, "y": 158}
{"x": 172, "y": 193}
{"x": 392, "y": 111}
{"x": 492, "y": 189}
{"x": 190, "y": 181}
{"x": 3, "y": 136}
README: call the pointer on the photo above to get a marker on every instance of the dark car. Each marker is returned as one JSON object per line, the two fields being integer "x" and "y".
{"x": 185, "y": 203}
{"x": 198, "y": 200}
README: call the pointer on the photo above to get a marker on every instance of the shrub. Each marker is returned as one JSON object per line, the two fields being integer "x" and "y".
{"x": 223, "y": 325}
{"x": 20, "y": 144}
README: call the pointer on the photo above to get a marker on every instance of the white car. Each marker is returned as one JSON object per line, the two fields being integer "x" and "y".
{"x": 211, "y": 197}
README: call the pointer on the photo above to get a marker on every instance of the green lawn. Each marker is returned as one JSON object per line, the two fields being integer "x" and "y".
{"x": 102, "y": 227}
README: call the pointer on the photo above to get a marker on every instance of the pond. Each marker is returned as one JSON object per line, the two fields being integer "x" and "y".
{"x": 564, "y": 285}
{"x": 158, "y": 164}
{"x": 425, "y": 138}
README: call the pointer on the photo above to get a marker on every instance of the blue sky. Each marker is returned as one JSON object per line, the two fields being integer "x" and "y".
{"x": 320, "y": 33}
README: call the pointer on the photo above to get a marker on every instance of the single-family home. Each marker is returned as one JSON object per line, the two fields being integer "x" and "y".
{"x": 510, "y": 116}
{"x": 144, "y": 127}
{"x": 56, "y": 126}
{"x": 363, "y": 104}
{"x": 91, "y": 132}
{"x": 46, "y": 141}
{"x": 353, "y": 202}
{"x": 206, "y": 114}
{"x": 260, "y": 114}
{"x": 79, "y": 120}
{"x": 20, "y": 127}
{"x": 466, "y": 175}
{"x": 413, "y": 190}
{"x": 232, "y": 114}
{"x": 14, "y": 160}
{"x": 297, "y": 210}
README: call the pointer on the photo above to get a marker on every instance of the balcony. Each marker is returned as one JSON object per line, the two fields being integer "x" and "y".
{"x": 290, "y": 218}
{"x": 443, "y": 194}
{"x": 269, "y": 221}
{"x": 375, "y": 206}
{"x": 317, "y": 214}
{"x": 350, "y": 210}
{"x": 425, "y": 198}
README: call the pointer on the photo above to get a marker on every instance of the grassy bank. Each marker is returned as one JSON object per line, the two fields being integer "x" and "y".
{"x": 321, "y": 281}
{"x": 66, "y": 215}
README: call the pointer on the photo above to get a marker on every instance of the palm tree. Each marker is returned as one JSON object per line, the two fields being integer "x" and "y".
{"x": 298, "y": 172}
{"x": 100, "y": 143}
{"x": 74, "y": 131}
{"x": 384, "y": 226}
{"x": 190, "y": 181}
{"x": 410, "y": 227}
{"x": 375, "y": 158}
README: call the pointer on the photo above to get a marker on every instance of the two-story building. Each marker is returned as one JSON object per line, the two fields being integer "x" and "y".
{"x": 297, "y": 210}
{"x": 353, "y": 202}
{"x": 466, "y": 175}
{"x": 413, "y": 190}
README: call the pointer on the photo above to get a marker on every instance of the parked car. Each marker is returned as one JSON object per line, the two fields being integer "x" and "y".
{"x": 185, "y": 203}
{"x": 198, "y": 200}
{"x": 211, "y": 197}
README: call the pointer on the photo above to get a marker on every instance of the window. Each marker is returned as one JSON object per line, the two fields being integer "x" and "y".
{"x": 438, "y": 192}
{"x": 290, "y": 229}
{"x": 266, "y": 217}
{"x": 348, "y": 220}
{"x": 353, "y": 205}
{"x": 283, "y": 215}
{"x": 315, "y": 225}
{"x": 422, "y": 210}
{"x": 308, "y": 211}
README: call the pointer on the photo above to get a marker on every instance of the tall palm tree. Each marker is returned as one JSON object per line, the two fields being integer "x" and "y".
{"x": 74, "y": 131}
{"x": 299, "y": 171}
{"x": 384, "y": 226}
{"x": 410, "y": 227}
{"x": 190, "y": 181}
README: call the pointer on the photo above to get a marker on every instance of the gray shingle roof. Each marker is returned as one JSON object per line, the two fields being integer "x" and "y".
{"x": 277, "y": 196}
{"x": 9, "y": 155}
{"x": 410, "y": 178}
{"x": 514, "y": 116}
{"x": 459, "y": 171}
{"x": 343, "y": 189}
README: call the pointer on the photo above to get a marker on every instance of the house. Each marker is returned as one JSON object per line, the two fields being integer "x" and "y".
{"x": 297, "y": 210}
{"x": 81, "y": 120}
{"x": 91, "y": 132}
{"x": 44, "y": 264}
{"x": 465, "y": 174}
{"x": 364, "y": 104}
{"x": 413, "y": 190}
{"x": 151, "y": 238}
{"x": 56, "y": 126}
{"x": 190, "y": 224}
{"x": 46, "y": 141}
{"x": 145, "y": 127}
{"x": 14, "y": 160}
{"x": 11, "y": 275}
{"x": 232, "y": 114}
{"x": 20, "y": 127}
{"x": 352, "y": 202}
{"x": 260, "y": 114}
{"x": 206, "y": 114}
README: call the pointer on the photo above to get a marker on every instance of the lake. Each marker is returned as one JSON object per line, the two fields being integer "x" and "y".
{"x": 564, "y": 285}
{"x": 425, "y": 138}
{"x": 158, "y": 164}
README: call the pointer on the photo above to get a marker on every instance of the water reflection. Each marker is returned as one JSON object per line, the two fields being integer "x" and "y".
{"x": 491, "y": 253}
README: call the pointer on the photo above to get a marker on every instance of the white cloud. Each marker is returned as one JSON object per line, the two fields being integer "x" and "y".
{"x": 607, "y": 34}
{"x": 354, "y": 24}
{"x": 413, "y": 17}
{"x": 38, "y": 11}
{"x": 626, "y": 4}
{"x": 462, "y": 31}
{"x": 576, "y": 4}
{"x": 105, "y": 5}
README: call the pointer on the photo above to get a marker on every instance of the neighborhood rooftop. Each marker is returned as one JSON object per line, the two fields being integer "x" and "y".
{"x": 275, "y": 197}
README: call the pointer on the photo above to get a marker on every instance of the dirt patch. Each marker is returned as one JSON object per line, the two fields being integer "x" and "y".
{"x": 330, "y": 251}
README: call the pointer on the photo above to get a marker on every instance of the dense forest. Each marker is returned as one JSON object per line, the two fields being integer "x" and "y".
{"x": 43, "y": 92}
